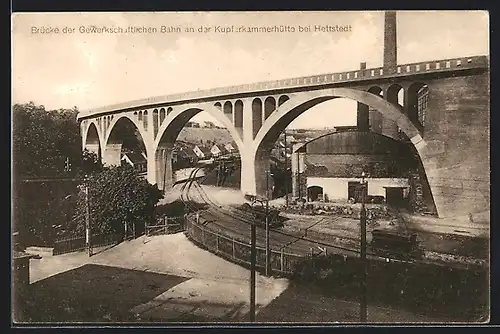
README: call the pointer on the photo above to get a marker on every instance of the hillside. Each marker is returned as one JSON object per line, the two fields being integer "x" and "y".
{"x": 197, "y": 135}
{"x": 222, "y": 136}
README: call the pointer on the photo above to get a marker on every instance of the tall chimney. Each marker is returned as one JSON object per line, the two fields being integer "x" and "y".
{"x": 390, "y": 44}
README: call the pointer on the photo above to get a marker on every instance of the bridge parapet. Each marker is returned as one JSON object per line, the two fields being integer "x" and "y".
{"x": 446, "y": 65}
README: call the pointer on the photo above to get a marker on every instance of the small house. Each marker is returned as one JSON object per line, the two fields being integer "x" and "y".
{"x": 202, "y": 152}
{"x": 216, "y": 151}
{"x": 229, "y": 148}
{"x": 137, "y": 160}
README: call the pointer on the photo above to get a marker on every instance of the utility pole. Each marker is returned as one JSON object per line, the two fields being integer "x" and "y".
{"x": 298, "y": 175}
{"x": 165, "y": 169}
{"x": 67, "y": 166}
{"x": 87, "y": 221}
{"x": 362, "y": 304}
{"x": 286, "y": 174}
{"x": 268, "y": 253}
{"x": 252, "y": 273}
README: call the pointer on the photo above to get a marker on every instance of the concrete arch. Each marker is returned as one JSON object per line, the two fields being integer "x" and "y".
{"x": 85, "y": 134}
{"x": 376, "y": 90}
{"x": 176, "y": 120}
{"x": 393, "y": 92}
{"x": 411, "y": 102}
{"x": 300, "y": 103}
{"x": 138, "y": 125}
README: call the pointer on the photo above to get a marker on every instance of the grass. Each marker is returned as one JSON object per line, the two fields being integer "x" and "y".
{"x": 90, "y": 293}
{"x": 302, "y": 303}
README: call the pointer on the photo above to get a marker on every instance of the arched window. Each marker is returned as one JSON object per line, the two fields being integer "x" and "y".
{"x": 422, "y": 101}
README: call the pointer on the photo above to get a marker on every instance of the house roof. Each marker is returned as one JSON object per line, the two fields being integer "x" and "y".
{"x": 186, "y": 153}
{"x": 206, "y": 151}
{"x": 135, "y": 157}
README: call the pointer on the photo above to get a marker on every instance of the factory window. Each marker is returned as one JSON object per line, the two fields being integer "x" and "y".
{"x": 423, "y": 100}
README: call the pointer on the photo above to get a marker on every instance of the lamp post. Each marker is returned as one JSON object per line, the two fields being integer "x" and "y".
{"x": 88, "y": 231}
{"x": 268, "y": 253}
{"x": 286, "y": 173}
{"x": 252, "y": 272}
{"x": 362, "y": 305}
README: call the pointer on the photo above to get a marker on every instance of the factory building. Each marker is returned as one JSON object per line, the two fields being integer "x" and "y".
{"x": 329, "y": 169}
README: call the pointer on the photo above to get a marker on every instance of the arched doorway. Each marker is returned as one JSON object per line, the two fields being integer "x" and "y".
{"x": 314, "y": 193}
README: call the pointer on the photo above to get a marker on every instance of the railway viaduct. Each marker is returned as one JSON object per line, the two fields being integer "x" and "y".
{"x": 451, "y": 138}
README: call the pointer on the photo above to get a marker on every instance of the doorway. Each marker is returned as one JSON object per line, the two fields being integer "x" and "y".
{"x": 314, "y": 193}
{"x": 394, "y": 197}
{"x": 354, "y": 190}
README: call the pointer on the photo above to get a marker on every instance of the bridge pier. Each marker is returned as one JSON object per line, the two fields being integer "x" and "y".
{"x": 375, "y": 119}
{"x": 160, "y": 168}
{"x": 112, "y": 154}
{"x": 256, "y": 175}
{"x": 456, "y": 158}
{"x": 93, "y": 148}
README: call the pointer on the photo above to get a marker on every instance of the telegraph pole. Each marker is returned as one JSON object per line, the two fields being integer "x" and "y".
{"x": 286, "y": 174}
{"x": 298, "y": 175}
{"x": 87, "y": 221}
{"x": 268, "y": 253}
{"x": 362, "y": 305}
{"x": 252, "y": 273}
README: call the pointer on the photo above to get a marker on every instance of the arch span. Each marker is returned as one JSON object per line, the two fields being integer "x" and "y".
{"x": 177, "y": 119}
{"x": 300, "y": 103}
{"x": 122, "y": 134}
{"x": 137, "y": 124}
{"x": 258, "y": 158}
{"x": 92, "y": 137}
{"x": 160, "y": 158}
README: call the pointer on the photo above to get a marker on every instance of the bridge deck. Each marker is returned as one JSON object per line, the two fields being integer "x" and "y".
{"x": 420, "y": 68}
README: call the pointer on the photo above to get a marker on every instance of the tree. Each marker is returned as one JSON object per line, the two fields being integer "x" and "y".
{"x": 44, "y": 144}
{"x": 42, "y": 141}
{"x": 118, "y": 196}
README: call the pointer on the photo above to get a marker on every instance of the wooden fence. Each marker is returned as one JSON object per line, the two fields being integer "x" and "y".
{"x": 75, "y": 244}
{"x": 238, "y": 251}
{"x": 165, "y": 225}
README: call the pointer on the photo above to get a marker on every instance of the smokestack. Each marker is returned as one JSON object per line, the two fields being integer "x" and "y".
{"x": 362, "y": 66}
{"x": 390, "y": 44}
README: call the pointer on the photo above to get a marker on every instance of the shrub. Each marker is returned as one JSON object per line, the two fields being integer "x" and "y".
{"x": 117, "y": 196}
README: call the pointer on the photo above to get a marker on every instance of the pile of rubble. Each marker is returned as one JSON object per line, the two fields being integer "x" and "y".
{"x": 341, "y": 210}
{"x": 452, "y": 258}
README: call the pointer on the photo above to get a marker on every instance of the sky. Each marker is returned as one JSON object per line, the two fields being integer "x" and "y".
{"x": 83, "y": 69}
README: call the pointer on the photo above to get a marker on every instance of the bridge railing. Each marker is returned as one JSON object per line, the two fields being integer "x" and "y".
{"x": 238, "y": 250}
{"x": 79, "y": 243}
{"x": 444, "y": 65}
{"x": 165, "y": 225}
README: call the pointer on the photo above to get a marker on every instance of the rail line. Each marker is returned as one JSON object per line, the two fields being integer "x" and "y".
{"x": 294, "y": 243}
{"x": 223, "y": 218}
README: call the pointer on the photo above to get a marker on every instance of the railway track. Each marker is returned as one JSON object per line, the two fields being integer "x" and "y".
{"x": 235, "y": 223}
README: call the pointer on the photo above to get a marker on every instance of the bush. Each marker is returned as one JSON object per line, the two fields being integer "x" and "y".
{"x": 117, "y": 196}
{"x": 42, "y": 210}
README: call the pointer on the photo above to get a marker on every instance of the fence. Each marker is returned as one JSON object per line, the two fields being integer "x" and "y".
{"x": 238, "y": 251}
{"x": 165, "y": 225}
{"x": 75, "y": 244}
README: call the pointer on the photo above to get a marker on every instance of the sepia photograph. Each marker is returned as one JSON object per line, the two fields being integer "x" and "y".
{"x": 253, "y": 167}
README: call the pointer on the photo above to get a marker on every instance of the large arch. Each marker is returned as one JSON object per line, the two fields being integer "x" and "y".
{"x": 137, "y": 123}
{"x": 300, "y": 103}
{"x": 161, "y": 152}
{"x": 89, "y": 132}
{"x": 176, "y": 120}
{"x": 113, "y": 144}
{"x": 411, "y": 103}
